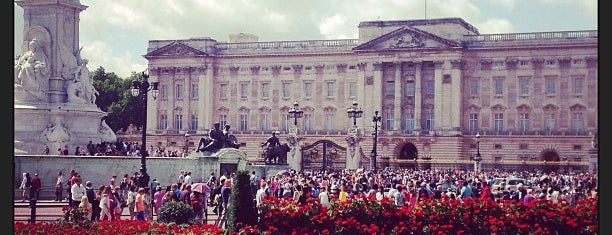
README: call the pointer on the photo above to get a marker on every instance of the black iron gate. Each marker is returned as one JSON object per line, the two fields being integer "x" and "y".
{"x": 323, "y": 154}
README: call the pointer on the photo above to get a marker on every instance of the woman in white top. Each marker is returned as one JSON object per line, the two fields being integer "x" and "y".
{"x": 324, "y": 197}
{"x": 105, "y": 206}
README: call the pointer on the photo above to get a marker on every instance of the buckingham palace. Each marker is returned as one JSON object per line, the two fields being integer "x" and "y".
{"x": 431, "y": 93}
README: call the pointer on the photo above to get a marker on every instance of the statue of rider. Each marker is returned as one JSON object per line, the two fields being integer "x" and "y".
{"x": 217, "y": 139}
{"x": 272, "y": 143}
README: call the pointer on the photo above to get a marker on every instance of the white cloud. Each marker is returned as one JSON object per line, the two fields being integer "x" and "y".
{"x": 493, "y": 26}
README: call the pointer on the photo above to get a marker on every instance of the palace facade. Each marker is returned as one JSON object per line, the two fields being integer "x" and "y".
{"x": 437, "y": 84}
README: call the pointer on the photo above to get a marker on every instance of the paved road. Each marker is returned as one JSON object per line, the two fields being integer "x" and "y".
{"x": 48, "y": 210}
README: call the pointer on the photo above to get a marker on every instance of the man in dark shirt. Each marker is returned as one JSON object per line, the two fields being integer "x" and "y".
{"x": 36, "y": 185}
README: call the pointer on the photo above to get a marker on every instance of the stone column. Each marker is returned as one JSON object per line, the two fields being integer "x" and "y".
{"x": 397, "y": 100}
{"x": 417, "y": 95}
{"x": 439, "y": 102}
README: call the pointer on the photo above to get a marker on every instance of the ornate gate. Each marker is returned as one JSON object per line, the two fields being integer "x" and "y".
{"x": 323, "y": 154}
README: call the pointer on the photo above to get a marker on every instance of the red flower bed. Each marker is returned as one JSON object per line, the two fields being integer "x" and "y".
{"x": 113, "y": 228}
{"x": 361, "y": 215}
{"x": 471, "y": 216}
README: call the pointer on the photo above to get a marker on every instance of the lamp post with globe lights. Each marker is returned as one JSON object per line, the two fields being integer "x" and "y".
{"x": 140, "y": 90}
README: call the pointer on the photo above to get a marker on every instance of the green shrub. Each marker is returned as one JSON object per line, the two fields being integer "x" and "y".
{"x": 176, "y": 212}
{"x": 242, "y": 207}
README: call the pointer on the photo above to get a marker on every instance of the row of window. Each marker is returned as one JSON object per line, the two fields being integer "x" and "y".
{"x": 577, "y": 122}
{"x": 550, "y": 86}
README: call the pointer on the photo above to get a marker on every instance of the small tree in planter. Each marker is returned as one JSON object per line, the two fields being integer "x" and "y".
{"x": 242, "y": 207}
{"x": 176, "y": 212}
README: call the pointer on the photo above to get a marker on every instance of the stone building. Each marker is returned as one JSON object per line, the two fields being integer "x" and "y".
{"x": 437, "y": 84}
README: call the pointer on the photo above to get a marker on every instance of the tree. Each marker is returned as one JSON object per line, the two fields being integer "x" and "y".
{"x": 242, "y": 207}
{"x": 115, "y": 98}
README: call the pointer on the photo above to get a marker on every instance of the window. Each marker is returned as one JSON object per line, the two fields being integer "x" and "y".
{"x": 474, "y": 87}
{"x": 429, "y": 87}
{"x": 409, "y": 122}
{"x": 498, "y": 146}
{"x": 498, "y": 122}
{"x": 550, "y": 85}
{"x": 550, "y": 122}
{"x": 524, "y": 122}
{"x": 178, "y": 91}
{"x": 410, "y": 89}
{"x": 178, "y": 121}
{"x": 352, "y": 89}
{"x": 523, "y": 146}
{"x": 524, "y": 63}
{"x": 577, "y": 147}
{"x": 390, "y": 88}
{"x": 330, "y": 89}
{"x": 389, "y": 121}
{"x": 499, "y": 64}
{"x": 286, "y": 121}
{"x": 263, "y": 122}
{"x": 308, "y": 90}
{"x": 473, "y": 122}
{"x": 163, "y": 122}
{"x": 499, "y": 87}
{"x": 307, "y": 122}
{"x": 429, "y": 121}
{"x": 577, "y": 85}
{"x": 194, "y": 122}
{"x": 223, "y": 91}
{"x": 524, "y": 86}
{"x": 286, "y": 90}
{"x": 265, "y": 90}
{"x": 577, "y": 123}
{"x": 244, "y": 90}
{"x": 551, "y": 62}
{"x": 222, "y": 120}
{"x": 163, "y": 91}
{"x": 244, "y": 121}
{"x": 194, "y": 91}
{"x": 329, "y": 121}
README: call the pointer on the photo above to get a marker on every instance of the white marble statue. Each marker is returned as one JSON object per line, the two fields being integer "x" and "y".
{"x": 106, "y": 132}
{"x": 86, "y": 77}
{"x": 56, "y": 132}
{"x": 31, "y": 68}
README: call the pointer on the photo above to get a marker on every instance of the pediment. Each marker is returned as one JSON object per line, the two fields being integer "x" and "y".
{"x": 176, "y": 49}
{"x": 407, "y": 38}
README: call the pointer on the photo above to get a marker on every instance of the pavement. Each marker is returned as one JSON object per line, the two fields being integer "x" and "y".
{"x": 51, "y": 211}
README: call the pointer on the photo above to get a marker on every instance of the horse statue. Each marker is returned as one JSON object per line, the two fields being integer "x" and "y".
{"x": 277, "y": 155}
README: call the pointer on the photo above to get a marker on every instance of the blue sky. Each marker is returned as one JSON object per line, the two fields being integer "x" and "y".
{"x": 115, "y": 33}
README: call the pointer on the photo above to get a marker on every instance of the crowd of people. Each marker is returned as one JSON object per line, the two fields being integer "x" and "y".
{"x": 405, "y": 187}
{"x": 118, "y": 148}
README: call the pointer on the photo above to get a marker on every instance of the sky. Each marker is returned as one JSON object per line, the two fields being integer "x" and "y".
{"x": 114, "y": 34}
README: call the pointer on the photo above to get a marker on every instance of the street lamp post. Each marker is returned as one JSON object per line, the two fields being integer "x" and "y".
{"x": 354, "y": 112}
{"x": 140, "y": 89}
{"x": 376, "y": 120}
{"x": 478, "y": 158}
{"x": 295, "y": 112}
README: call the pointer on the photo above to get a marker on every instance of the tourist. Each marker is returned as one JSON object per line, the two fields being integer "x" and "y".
{"x": 77, "y": 191}
{"x": 59, "y": 187}
{"x": 86, "y": 206}
{"x": 36, "y": 185}
{"x": 26, "y": 183}
{"x": 140, "y": 204}
{"x": 158, "y": 197}
{"x": 131, "y": 200}
{"x": 105, "y": 207}
{"x": 94, "y": 200}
